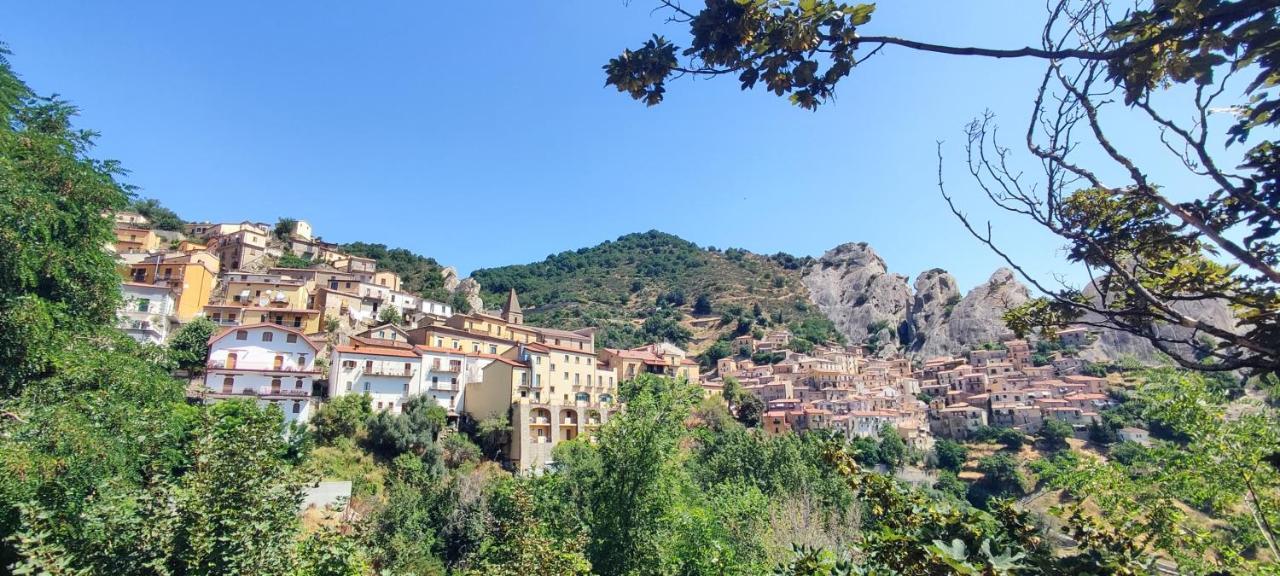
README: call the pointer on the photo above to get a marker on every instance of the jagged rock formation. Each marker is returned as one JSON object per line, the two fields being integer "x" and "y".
{"x": 450, "y": 275}
{"x": 852, "y": 286}
{"x": 978, "y": 317}
{"x": 1114, "y": 344}
{"x": 470, "y": 289}
{"x": 936, "y": 298}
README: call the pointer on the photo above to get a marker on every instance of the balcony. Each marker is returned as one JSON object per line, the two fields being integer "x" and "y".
{"x": 392, "y": 372}
{"x": 453, "y": 367}
{"x": 289, "y": 369}
{"x": 539, "y": 420}
{"x": 262, "y": 391}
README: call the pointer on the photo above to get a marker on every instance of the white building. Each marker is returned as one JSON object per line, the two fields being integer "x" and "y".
{"x": 146, "y": 312}
{"x": 436, "y": 308}
{"x": 388, "y": 374}
{"x": 274, "y": 364}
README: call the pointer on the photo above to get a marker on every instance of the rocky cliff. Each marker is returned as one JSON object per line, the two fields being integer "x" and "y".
{"x": 854, "y": 288}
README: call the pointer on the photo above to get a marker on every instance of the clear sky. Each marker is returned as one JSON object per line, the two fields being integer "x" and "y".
{"x": 481, "y": 133}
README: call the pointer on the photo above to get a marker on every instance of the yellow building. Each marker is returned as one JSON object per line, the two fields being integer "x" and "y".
{"x": 308, "y": 321}
{"x": 248, "y": 289}
{"x": 453, "y": 339}
{"x": 662, "y": 359}
{"x": 548, "y": 382}
{"x": 191, "y": 277}
{"x": 387, "y": 279}
{"x": 520, "y": 389}
{"x": 130, "y": 240}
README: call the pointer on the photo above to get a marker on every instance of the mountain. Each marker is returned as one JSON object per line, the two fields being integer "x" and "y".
{"x": 654, "y": 285}
{"x": 852, "y": 285}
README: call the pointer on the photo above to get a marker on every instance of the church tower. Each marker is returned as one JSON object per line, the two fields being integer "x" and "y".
{"x": 511, "y": 312}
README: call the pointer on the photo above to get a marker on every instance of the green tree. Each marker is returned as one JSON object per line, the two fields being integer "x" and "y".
{"x": 459, "y": 450}
{"x": 702, "y": 306}
{"x": 55, "y": 201}
{"x": 327, "y": 552}
{"x": 1054, "y": 434}
{"x": 892, "y": 451}
{"x": 1150, "y": 249}
{"x": 341, "y": 417}
{"x": 189, "y": 346}
{"x": 639, "y": 475}
{"x": 290, "y": 260}
{"x": 529, "y": 547}
{"x": 949, "y": 483}
{"x": 750, "y": 410}
{"x": 389, "y": 315}
{"x": 1001, "y": 478}
{"x": 284, "y": 228}
{"x": 237, "y": 509}
{"x": 161, "y": 217}
{"x": 720, "y": 349}
{"x": 492, "y": 434}
{"x": 1102, "y": 433}
{"x": 413, "y": 430}
{"x": 950, "y": 455}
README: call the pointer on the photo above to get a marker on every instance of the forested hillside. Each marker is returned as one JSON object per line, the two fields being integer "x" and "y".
{"x": 655, "y": 285}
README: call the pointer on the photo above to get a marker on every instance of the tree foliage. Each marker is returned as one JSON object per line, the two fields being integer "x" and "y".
{"x": 341, "y": 417}
{"x": 189, "y": 345}
{"x": 161, "y": 218}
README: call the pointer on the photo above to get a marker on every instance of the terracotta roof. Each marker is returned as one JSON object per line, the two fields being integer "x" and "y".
{"x": 508, "y": 361}
{"x": 436, "y": 350}
{"x": 377, "y": 351}
{"x": 232, "y": 329}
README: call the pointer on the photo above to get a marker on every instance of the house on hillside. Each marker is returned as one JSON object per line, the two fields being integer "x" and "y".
{"x": 265, "y": 362}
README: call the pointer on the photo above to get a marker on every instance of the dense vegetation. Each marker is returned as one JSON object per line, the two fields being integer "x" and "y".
{"x": 656, "y": 286}
{"x": 160, "y": 217}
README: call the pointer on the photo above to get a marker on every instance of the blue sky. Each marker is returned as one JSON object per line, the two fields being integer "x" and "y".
{"x": 481, "y": 133}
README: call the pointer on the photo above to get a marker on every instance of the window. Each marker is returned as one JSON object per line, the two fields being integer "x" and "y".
{"x": 231, "y": 317}
{"x": 406, "y": 386}
{"x": 493, "y": 349}
{"x": 553, "y": 367}
{"x": 217, "y": 317}
{"x": 366, "y": 386}
{"x": 297, "y": 383}
{"x": 266, "y": 336}
{"x": 144, "y": 304}
{"x": 242, "y": 335}
{"x": 291, "y": 338}
{"x": 435, "y": 379}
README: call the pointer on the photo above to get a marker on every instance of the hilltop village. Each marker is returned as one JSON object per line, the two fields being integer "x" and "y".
{"x": 295, "y": 337}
